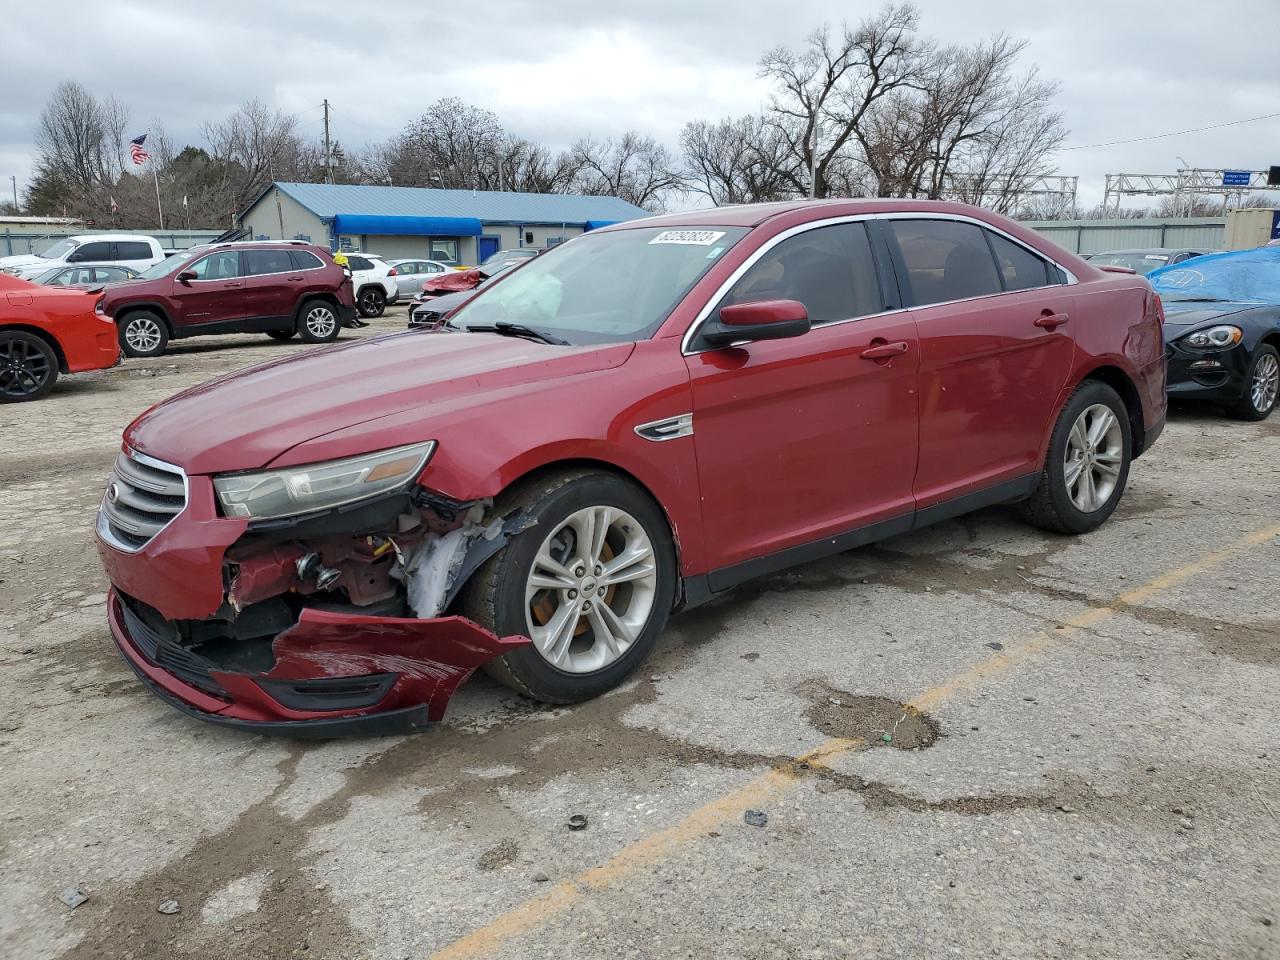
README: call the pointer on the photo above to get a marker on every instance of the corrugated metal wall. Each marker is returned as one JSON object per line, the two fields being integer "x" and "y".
{"x": 1099, "y": 236}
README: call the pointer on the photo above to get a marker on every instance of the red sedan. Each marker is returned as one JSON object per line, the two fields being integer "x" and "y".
{"x": 636, "y": 421}
{"x": 45, "y": 331}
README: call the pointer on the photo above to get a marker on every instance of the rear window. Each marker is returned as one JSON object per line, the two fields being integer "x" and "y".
{"x": 259, "y": 262}
{"x": 302, "y": 260}
{"x": 359, "y": 263}
{"x": 133, "y": 250}
{"x": 946, "y": 260}
{"x": 1020, "y": 269}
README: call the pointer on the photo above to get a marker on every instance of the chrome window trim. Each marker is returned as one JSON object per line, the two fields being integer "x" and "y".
{"x": 104, "y": 528}
{"x": 747, "y": 264}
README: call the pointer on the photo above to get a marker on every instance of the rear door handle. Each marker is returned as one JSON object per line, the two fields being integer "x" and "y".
{"x": 1050, "y": 320}
{"x": 885, "y": 351}
{"x": 296, "y": 279}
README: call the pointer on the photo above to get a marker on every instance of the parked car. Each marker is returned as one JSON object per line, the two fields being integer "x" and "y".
{"x": 280, "y": 289}
{"x": 45, "y": 331}
{"x": 1146, "y": 260}
{"x": 1222, "y": 328}
{"x": 85, "y": 275}
{"x": 633, "y": 423}
{"x": 506, "y": 257}
{"x": 125, "y": 249}
{"x": 374, "y": 281}
{"x": 430, "y": 311}
{"x": 410, "y": 274}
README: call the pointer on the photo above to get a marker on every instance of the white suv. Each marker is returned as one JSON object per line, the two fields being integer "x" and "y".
{"x": 124, "y": 249}
{"x": 374, "y": 282}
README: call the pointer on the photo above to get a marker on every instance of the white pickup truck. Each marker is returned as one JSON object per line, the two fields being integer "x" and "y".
{"x": 124, "y": 249}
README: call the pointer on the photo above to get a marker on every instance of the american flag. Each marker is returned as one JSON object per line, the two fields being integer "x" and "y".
{"x": 139, "y": 155}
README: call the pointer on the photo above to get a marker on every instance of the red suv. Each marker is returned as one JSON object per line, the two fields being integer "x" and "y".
{"x": 274, "y": 288}
{"x": 632, "y": 423}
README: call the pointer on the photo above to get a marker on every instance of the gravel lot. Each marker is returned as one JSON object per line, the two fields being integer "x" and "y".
{"x": 1084, "y": 762}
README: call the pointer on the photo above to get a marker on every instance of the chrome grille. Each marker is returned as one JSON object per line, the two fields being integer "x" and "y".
{"x": 143, "y": 496}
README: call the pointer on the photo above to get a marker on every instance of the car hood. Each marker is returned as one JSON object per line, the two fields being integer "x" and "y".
{"x": 1189, "y": 313}
{"x": 246, "y": 419}
{"x": 23, "y": 260}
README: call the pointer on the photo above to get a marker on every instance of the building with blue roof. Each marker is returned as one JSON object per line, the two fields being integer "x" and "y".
{"x": 464, "y": 226}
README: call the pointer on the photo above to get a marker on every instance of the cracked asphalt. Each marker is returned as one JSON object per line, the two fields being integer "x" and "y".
{"x": 975, "y": 741}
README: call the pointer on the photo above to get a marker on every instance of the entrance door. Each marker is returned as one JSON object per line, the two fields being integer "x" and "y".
{"x": 486, "y": 247}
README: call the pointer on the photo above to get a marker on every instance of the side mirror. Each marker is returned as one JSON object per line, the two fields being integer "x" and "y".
{"x": 186, "y": 276}
{"x": 761, "y": 320}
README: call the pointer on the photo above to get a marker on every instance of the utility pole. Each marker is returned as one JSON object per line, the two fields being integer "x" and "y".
{"x": 328, "y": 163}
{"x": 14, "y": 181}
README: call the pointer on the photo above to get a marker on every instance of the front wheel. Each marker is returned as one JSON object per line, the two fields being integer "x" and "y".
{"x": 1087, "y": 464}
{"x": 1263, "y": 386}
{"x": 591, "y": 583}
{"x": 372, "y": 302}
{"x": 143, "y": 335}
{"x": 318, "y": 322}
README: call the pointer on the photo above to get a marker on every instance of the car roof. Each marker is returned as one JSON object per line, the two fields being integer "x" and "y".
{"x": 1143, "y": 250}
{"x": 754, "y": 214}
{"x": 113, "y": 236}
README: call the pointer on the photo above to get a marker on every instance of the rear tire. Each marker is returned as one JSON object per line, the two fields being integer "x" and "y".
{"x": 28, "y": 366}
{"x": 1087, "y": 464}
{"x": 1261, "y": 388}
{"x": 372, "y": 301}
{"x": 318, "y": 322}
{"x": 142, "y": 334}
{"x": 607, "y": 625}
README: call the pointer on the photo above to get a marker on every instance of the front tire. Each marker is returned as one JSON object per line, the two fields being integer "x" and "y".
{"x": 592, "y": 583}
{"x": 372, "y": 302}
{"x": 143, "y": 334}
{"x": 28, "y": 366}
{"x": 1263, "y": 386}
{"x": 1087, "y": 465}
{"x": 318, "y": 322}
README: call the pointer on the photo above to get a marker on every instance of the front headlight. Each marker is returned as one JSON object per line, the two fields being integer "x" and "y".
{"x": 1214, "y": 338}
{"x": 272, "y": 494}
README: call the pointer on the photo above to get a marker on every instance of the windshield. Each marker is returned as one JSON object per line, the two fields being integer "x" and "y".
{"x": 605, "y": 287}
{"x": 48, "y": 275}
{"x": 167, "y": 266}
{"x": 1245, "y": 276}
{"x": 1144, "y": 263}
{"x": 58, "y": 250}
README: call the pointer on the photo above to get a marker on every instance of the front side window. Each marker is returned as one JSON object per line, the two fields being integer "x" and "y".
{"x": 829, "y": 269}
{"x": 132, "y": 250}
{"x": 259, "y": 262}
{"x": 608, "y": 287}
{"x": 98, "y": 250}
{"x": 1020, "y": 269}
{"x": 224, "y": 265}
{"x": 945, "y": 260}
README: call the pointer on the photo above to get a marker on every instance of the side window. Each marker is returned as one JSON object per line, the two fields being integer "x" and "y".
{"x": 412, "y": 268}
{"x": 217, "y": 266}
{"x": 132, "y": 250}
{"x": 259, "y": 262}
{"x": 81, "y": 275}
{"x": 63, "y": 279}
{"x": 98, "y": 250}
{"x": 358, "y": 263}
{"x": 302, "y": 260}
{"x": 1020, "y": 269}
{"x": 945, "y": 260}
{"x": 109, "y": 274}
{"x": 829, "y": 269}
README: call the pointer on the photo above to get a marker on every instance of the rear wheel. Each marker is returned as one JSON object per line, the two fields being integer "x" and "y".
{"x": 143, "y": 334}
{"x": 28, "y": 366}
{"x": 318, "y": 322}
{"x": 1263, "y": 386}
{"x": 1087, "y": 464}
{"x": 280, "y": 334}
{"x": 591, "y": 584}
{"x": 372, "y": 302}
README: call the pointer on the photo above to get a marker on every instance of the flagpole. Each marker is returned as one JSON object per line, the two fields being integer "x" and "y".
{"x": 155, "y": 172}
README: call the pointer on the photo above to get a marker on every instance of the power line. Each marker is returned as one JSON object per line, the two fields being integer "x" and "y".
{"x": 1175, "y": 133}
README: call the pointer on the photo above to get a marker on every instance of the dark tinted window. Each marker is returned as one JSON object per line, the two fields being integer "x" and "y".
{"x": 224, "y": 265}
{"x": 358, "y": 263}
{"x": 98, "y": 250}
{"x": 305, "y": 261}
{"x": 1019, "y": 267}
{"x": 132, "y": 250}
{"x": 945, "y": 260}
{"x": 258, "y": 262}
{"x": 830, "y": 270}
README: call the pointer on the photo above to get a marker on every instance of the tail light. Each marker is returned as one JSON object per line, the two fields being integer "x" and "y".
{"x": 392, "y": 273}
{"x": 99, "y": 308}
{"x": 1158, "y": 305}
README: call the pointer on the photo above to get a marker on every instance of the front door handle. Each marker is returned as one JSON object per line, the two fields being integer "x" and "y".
{"x": 1051, "y": 320}
{"x": 885, "y": 351}
{"x": 225, "y": 285}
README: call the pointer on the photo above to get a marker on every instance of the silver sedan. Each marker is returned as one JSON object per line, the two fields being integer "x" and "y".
{"x": 411, "y": 274}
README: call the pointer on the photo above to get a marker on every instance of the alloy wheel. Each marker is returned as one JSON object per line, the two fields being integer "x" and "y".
{"x": 372, "y": 303}
{"x": 1266, "y": 383}
{"x": 142, "y": 334}
{"x": 1094, "y": 457}
{"x": 320, "y": 322}
{"x": 24, "y": 370}
{"x": 591, "y": 589}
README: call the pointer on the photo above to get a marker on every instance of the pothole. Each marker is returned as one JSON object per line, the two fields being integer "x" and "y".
{"x": 880, "y": 721}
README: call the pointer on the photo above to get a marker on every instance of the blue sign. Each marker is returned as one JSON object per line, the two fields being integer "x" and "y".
{"x": 1235, "y": 178}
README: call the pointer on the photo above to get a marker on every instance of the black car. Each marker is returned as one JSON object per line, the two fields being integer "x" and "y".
{"x": 1222, "y": 330}
{"x": 1146, "y": 260}
{"x": 425, "y": 311}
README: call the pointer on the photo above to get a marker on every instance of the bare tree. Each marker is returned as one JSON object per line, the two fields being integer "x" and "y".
{"x": 254, "y": 146}
{"x": 633, "y": 167}
{"x": 742, "y": 160}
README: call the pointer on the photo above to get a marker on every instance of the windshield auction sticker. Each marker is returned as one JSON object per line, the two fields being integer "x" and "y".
{"x": 697, "y": 238}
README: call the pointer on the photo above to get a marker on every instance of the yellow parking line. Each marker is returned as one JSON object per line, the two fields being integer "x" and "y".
{"x": 656, "y": 846}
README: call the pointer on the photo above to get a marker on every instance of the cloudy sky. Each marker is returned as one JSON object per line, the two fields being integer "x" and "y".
{"x": 556, "y": 69}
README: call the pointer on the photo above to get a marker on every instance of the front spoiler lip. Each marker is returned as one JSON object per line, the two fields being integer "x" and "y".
{"x": 431, "y": 657}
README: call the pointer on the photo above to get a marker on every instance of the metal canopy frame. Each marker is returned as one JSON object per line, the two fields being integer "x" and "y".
{"x": 1185, "y": 183}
